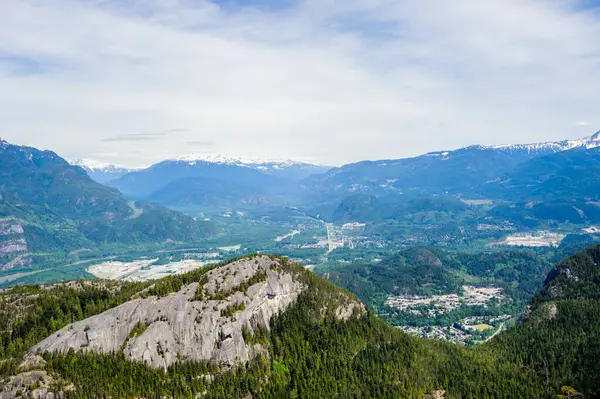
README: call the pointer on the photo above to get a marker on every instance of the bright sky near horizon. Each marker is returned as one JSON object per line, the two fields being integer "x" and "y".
{"x": 135, "y": 82}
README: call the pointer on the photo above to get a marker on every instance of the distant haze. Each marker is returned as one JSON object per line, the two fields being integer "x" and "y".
{"x": 324, "y": 81}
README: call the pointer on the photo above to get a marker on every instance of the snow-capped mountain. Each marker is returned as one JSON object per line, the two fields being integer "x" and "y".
{"x": 441, "y": 172}
{"x": 532, "y": 149}
{"x": 252, "y": 163}
{"x": 201, "y": 180}
{"x": 215, "y": 158}
{"x": 289, "y": 169}
{"x": 554, "y": 146}
{"x": 101, "y": 172}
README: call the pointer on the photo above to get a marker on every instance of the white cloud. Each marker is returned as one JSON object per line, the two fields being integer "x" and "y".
{"x": 580, "y": 123}
{"x": 328, "y": 80}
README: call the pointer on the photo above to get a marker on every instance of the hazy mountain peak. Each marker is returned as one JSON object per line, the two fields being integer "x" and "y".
{"x": 90, "y": 163}
{"x": 93, "y": 164}
{"x": 100, "y": 171}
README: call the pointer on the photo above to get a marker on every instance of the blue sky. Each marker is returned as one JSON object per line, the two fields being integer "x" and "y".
{"x": 135, "y": 82}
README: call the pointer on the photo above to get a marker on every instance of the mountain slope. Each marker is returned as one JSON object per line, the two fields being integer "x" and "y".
{"x": 368, "y": 208}
{"x": 182, "y": 324}
{"x": 203, "y": 181}
{"x": 567, "y": 174}
{"x": 560, "y": 331}
{"x": 323, "y": 344}
{"x": 452, "y": 172}
{"x": 289, "y": 170}
{"x": 145, "y": 183}
{"x": 210, "y": 193}
{"x": 442, "y": 172}
{"x": 428, "y": 271}
{"x": 42, "y": 178}
{"x": 48, "y": 205}
{"x": 219, "y": 332}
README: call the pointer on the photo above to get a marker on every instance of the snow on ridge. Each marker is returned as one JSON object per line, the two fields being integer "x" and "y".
{"x": 587, "y": 142}
{"x": 192, "y": 159}
{"x": 88, "y": 163}
{"x": 556, "y": 146}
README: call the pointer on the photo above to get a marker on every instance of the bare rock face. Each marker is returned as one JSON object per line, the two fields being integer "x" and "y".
{"x": 441, "y": 394}
{"x": 345, "y": 312}
{"x": 13, "y": 246}
{"x": 551, "y": 311}
{"x": 9, "y": 226}
{"x": 244, "y": 294}
{"x": 32, "y": 382}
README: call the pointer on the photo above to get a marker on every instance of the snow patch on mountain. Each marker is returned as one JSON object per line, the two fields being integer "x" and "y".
{"x": 588, "y": 142}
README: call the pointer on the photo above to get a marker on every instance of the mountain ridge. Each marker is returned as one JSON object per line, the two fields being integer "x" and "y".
{"x": 227, "y": 177}
{"x": 454, "y": 172}
{"x": 588, "y": 142}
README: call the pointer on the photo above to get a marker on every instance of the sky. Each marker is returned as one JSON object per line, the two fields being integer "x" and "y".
{"x": 332, "y": 82}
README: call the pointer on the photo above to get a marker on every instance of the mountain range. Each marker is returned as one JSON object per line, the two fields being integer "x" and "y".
{"x": 521, "y": 184}
{"x": 458, "y": 172}
{"x": 48, "y": 203}
{"x": 216, "y": 182}
{"x": 50, "y": 206}
{"x": 265, "y": 327}
{"x": 505, "y": 172}
{"x": 566, "y": 174}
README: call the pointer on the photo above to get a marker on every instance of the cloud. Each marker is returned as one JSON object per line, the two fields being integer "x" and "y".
{"x": 352, "y": 80}
{"x": 201, "y": 143}
{"x": 136, "y": 137}
{"x": 580, "y": 123}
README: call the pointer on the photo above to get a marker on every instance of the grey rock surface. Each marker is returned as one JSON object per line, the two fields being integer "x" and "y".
{"x": 9, "y": 226}
{"x": 30, "y": 384}
{"x": 345, "y": 312}
{"x": 180, "y": 328}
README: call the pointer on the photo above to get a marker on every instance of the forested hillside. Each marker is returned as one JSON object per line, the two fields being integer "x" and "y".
{"x": 562, "y": 175}
{"x": 560, "y": 331}
{"x": 310, "y": 352}
{"x": 428, "y": 271}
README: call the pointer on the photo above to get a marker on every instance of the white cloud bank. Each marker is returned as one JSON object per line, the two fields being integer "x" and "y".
{"x": 321, "y": 80}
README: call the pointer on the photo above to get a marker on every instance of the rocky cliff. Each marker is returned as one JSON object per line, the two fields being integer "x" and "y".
{"x": 203, "y": 321}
